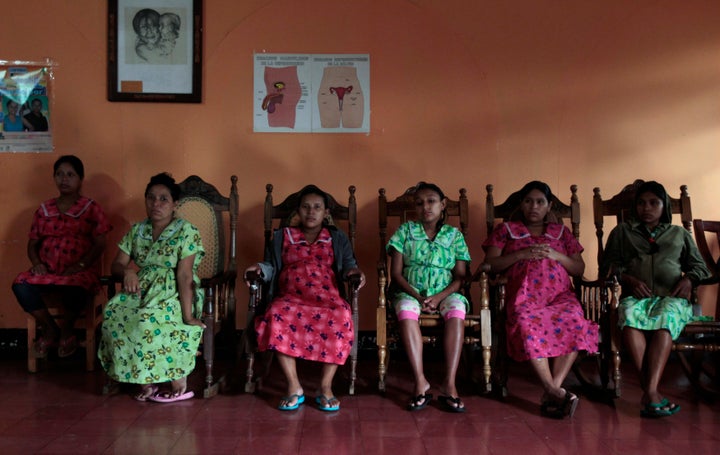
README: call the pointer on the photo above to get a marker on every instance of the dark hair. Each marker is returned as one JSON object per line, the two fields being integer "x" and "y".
{"x": 312, "y": 189}
{"x": 73, "y": 161}
{"x": 659, "y": 191}
{"x": 7, "y": 104}
{"x": 431, "y": 187}
{"x": 167, "y": 181}
{"x": 148, "y": 13}
{"x": 436, "y": 189}
{"x": 543, "y": 187}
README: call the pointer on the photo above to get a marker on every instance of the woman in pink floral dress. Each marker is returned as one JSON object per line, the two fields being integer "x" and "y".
{"x": 67, "y": 237}
{"x": 308, "y": 316}
{"x": 544, "y": 317}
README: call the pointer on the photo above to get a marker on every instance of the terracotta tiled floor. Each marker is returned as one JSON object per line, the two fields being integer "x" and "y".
{"x": 60, "y": 410}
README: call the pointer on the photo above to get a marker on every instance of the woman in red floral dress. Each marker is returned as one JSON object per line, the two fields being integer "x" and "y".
{"x": 308, "y": 316}
{"x": 67, "y": 237}
{"x": 544, "y": 317}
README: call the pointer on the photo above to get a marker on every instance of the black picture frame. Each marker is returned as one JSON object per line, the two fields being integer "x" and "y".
{"x": 155, "y": 51}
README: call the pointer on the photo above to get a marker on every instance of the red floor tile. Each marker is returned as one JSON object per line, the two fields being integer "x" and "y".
{"x": 61, "y": 410}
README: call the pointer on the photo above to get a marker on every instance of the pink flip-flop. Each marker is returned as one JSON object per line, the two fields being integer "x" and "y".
{"x": 168, "y": 397}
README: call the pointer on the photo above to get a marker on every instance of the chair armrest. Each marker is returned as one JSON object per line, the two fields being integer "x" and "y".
{"x": 482, "y": 268}
{"x": 354, "y": 281}
{"x": 109, "y": 282}
{"x": 220, "y": 278}
{"x": 254, "y": 278}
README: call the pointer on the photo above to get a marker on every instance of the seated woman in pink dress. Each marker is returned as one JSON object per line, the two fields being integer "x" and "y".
{"x": 67, "y": 237}
{"x": 308, "y": 316}
{"x": 544, "y": 318}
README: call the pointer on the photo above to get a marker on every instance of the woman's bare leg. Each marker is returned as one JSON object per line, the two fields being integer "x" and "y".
{"x": 561, "y": 366}
{"x": 453, "y": 341}
{"x": 289, "y": 368}
{"x": 328, "y": 373}
{"x": 412, "y": 339}
{"x": 657, "y": 355}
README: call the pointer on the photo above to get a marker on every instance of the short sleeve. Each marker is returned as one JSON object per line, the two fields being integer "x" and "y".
{"x": 572, "y": 246}
{"x": 398, "y": 239}
{"x": 460, "y": 247}
{"x": 36, "y": 226}
{"x": 191, "y": 243}
{"x": 498, "y": 238}
{"x": 126, "y": 243}
{"x": 102, "y": 223}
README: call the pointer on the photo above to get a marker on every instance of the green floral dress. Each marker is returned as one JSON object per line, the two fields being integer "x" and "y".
{"x": 428, "y": 265}
{"x": 144, "y": 339}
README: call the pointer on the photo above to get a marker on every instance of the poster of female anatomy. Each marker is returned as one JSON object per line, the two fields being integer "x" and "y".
{"x": 311, "y": 93}
{"x": 25, "y": 120}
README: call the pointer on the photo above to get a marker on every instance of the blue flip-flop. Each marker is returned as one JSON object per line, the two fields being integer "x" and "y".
{"x": 323, "y": 403}
{"x": 300, "y": 400}
{"x": 662, "y": 409}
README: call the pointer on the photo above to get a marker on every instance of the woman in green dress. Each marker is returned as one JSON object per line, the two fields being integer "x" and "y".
{"x": 657, "y": 264}
{"x": 428, "y": 264}
{"x": 151, "y": 330}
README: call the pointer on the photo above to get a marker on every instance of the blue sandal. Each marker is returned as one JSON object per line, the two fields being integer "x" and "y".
{"x": 662, "y": 409}
{"x": 300, "y": 399}
{"x": 323, "y": 403}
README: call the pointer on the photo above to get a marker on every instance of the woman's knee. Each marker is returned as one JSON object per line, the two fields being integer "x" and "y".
{"x": 28, "y": 296}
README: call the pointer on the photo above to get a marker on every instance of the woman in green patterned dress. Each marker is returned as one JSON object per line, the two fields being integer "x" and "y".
{"x": 151, "y": 330}
{"x": 428, "y": 264}
{"x": 657, "y": 264}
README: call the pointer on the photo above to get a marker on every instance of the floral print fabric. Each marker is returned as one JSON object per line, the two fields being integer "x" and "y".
{"x": 65, "y": 239}
{"x": 655, "y": 313}
{"x": 428, "y": 265}
{"x": 308, "y": 320}
{"x": 544, "y": 318}
{"x": 144, "y": 339}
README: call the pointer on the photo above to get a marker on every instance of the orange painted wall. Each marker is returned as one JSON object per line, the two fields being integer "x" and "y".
{"x": 463, "y": 94}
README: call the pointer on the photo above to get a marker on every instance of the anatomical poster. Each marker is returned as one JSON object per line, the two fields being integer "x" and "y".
{"x": 311, "y": 93}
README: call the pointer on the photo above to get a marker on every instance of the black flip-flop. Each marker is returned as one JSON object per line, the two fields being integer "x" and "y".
{"x": 423, "y": 399}
{"x": 451, "y": 404}
{"x": 570, "y": 404}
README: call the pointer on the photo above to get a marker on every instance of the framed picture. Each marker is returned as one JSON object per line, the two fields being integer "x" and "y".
{"x": 155, "y": 50}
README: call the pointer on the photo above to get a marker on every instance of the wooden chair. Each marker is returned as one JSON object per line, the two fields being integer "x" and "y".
{"x": 596, "y": 297}
{"x": 477, "y": 324}
{"x": 703, "y": 337}
{"x": 215, "y": 216}
{"x": 279, "y": 216}
{"x": 88, "y": 321}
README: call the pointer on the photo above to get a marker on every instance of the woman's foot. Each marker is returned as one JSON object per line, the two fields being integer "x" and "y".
{"x": 421, "y": 398}
{"x": 450, "y": 398}
{"x": 327, "y": 403}
{"x": 42, "y": 345}
{"x": 451, "y": 403}
{"x": 655, "y": 405}
{"x": 146, "y": 392}
{"x": 292, "y": 401}
{"x": 171, "y": 397}
{"x": 558, "y": 403}
{"x": 178, "y": 392}
{"x": 67, "y": 346}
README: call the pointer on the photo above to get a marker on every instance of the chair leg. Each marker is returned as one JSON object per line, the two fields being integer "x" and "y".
{"x": 353, "y": 374}
{"x": 211, "y": 389}
{"x": 617, "y": 376}
{"x": 31, "y": 332}
{"x": 90, "y": 327}
{"x": 382, "y": 366}
{"x": 250, "y": 373}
